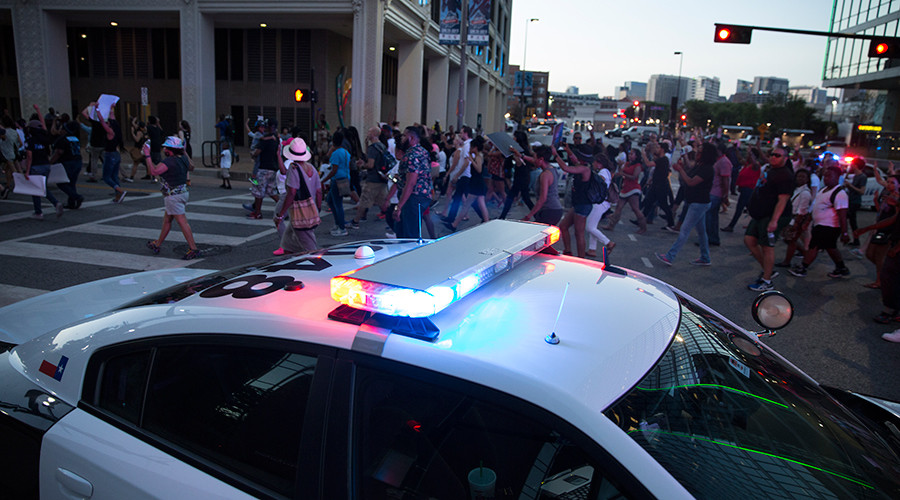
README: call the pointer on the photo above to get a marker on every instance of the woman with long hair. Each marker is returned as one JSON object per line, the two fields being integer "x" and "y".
{"x": 477, "y": 186}
{"x": 630, "y": 194}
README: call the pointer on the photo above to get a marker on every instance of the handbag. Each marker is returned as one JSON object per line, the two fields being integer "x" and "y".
{"x": 343, "y": 186}
{"x": 58, "y": 174}
{"x": 304, "y": 214}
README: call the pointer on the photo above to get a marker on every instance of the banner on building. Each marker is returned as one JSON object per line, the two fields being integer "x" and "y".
{"x": 528, "y": 77}
{"x": 479, "y": 22}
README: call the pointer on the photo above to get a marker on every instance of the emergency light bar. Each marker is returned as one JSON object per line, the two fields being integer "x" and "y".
{"x": 424, "y": 281}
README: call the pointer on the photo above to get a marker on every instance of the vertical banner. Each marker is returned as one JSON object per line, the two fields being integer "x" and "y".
{"x": 479, "y": 22}
{"x": 451, "y": 11}
{"x": 528, "y": 86}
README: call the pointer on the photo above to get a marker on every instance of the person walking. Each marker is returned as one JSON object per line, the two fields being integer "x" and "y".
{"x": 745, "y": 183}
{"x": 547, "y": 209}
{"x": 829, "y": 225}
{"x": 795, "y": 232}
{"x": 293, "y": 239}
{"x": 770, "y": 212}
{"x": 718, "y": 195}
{"x": 67, "y": 150}
{"x": 521, "y": 175}
{"x": 37, "y": 162}
{"x": 172, "y": 172}
{"x": 414, "y": 184}
{"x": 697, "y": 182}
{"x": 339, "y": 175}
{"x": 112, "y": 158}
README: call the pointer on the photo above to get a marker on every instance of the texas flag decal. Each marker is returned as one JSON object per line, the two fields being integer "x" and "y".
{"x": 55, "y": 371}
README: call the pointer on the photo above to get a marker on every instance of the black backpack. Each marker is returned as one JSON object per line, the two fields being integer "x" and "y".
{"x": 597, "y": 190}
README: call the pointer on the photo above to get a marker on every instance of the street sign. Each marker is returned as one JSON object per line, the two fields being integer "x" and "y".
{"x": 145, "y": 96}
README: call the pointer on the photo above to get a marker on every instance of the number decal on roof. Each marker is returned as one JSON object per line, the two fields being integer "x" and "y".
{"x": 247, "y": 290}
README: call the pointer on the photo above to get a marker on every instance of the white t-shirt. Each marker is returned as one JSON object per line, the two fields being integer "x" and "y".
{"x": 225, "y": 160}
{"x": 442, "y": 161}
{"x": 464, "y": 159}
{"x": 824, "y": 214}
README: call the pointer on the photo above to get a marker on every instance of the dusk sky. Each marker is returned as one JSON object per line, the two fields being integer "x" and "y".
{"x": 598, "y": 45}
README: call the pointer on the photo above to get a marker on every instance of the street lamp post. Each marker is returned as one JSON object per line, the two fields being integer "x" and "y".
{"x": 678, "y": 87}
{"x": 524, "y": 56}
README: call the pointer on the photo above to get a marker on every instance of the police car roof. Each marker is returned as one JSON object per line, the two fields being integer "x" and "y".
{"x": 612, "y": 327}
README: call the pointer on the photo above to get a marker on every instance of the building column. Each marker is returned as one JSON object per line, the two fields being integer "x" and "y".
{"x": 438, "y": 86}
{"x": 485, "y": 107}
{"x": 42, "y": 59}
{"x": 368, "y": 49}
{"x": 473, "y": 107}
{"x": 198, "y": 84}
{"x": 452, "y": 95}
{"x": 410, "y": 64}
{"x": 500, "y": 109}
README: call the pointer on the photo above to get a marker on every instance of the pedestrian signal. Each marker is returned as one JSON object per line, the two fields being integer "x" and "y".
{"x": 727, "y": 33}
{"x": 301, "y": 95}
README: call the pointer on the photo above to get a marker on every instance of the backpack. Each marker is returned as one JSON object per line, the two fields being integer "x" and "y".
{"x": 387, "y": 159}
{"x": 597, "y": 190}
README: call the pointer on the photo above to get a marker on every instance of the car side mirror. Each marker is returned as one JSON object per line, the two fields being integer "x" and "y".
{"x": 772, "y": 310}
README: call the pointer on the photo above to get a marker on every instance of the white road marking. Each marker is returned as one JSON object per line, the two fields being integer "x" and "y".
{"x": 174, "y": 235}
{"x": 91, "y": 256}
{"x": 10, "y": 294}
{"x": 632, "y": 237}
{"x": 646, "y": 262}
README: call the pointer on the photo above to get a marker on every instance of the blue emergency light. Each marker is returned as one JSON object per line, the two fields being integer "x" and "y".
{"x": 424, "y": 281}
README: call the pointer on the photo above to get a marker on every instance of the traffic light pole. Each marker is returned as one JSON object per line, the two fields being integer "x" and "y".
{"x": 463, "y": 65}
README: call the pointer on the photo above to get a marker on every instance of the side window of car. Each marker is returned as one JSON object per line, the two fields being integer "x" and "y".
{"x": 418, "y": 440}
{"x": 239, "y": 407}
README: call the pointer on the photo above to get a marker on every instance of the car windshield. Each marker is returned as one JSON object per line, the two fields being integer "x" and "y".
{"x": 729, "y": 418}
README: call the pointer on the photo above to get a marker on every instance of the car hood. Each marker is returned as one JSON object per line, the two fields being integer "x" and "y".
{"x": 33, "y": 317}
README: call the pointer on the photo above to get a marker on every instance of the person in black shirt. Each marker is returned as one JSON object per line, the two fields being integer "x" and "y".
{"x": 697, "y": 181}
{"x": 67, "y": 150}
{"x": 112, "y": 159}
{"x": 173, "y": 182}
{"x": 37, "y": 162}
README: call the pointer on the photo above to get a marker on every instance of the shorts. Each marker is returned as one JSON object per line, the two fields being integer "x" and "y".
{"x": 583, "y": 209}
{"x": 373, "y": 193}
{"x": 549, "y": 216}
{"x": 176, "y": 203}
{"x": 226, "y": 173}
{"x": 824, "y": 237}
{"x": 266, "y": 185}
{"x": 758, "y": 229}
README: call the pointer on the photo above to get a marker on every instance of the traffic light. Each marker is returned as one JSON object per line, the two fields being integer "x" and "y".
{"x": 637, "y": 103}
{"x": 684, "y": 118}
{"x": 884, "y": 47}
{"x": 301, "y": 95}
{"x": 728, "y": 33}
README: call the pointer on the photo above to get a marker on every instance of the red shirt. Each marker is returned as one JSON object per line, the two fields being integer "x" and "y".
{"x": 747, "y": 177}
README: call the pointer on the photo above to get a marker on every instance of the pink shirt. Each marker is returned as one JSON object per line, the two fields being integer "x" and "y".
{"x": 722, "y": 168}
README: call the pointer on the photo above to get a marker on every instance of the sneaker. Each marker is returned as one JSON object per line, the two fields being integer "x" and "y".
{"x": 856, "y": 253}
{"x": 798, "y": 271}
{"x": 37, "y": 216}
{"x": 153, "y": 246}
{"x": 671, "y": 229}
{"x": 701, "y": 262}
{"x": 761, "y": 285}
{"x": 128, "y": 179}
{"x": 248, "y": 207}
{"x": 59, "y": 210}
{"x": 353, "y": 225}
{"x": 121, "y": 197}
{"x": 78, "y": 202}
{"x": 191, "y": 254}
{"x": 254, "y": 215}
{"x": 390, "y": 234}
{"x": 775, "y": 274}
{"x": 339, "y": 232}
{"x": 892, "y": 337}
{"x": 662, "y": 258}
{"x": 279, "y": 251}
{"x": 839, "y": 272}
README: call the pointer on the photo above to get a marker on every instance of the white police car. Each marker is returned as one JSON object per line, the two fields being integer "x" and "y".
{"x": 472, "y": 366}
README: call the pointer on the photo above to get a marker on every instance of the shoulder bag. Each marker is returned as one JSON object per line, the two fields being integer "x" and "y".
{"x": 304, "y": 214}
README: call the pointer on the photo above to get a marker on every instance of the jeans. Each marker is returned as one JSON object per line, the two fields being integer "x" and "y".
{"x": 695, "y": 217}
{"x": 36, "y": 200}
{"x": 111, "y": 162}
{"x": 72, "y": 169}
{"x": 462, "y": 189}
{"x": 712, "y": 219}
{"x": 743, "y": 200}
{"x": 411, "y": 216}
{"x": 336, "y": 202}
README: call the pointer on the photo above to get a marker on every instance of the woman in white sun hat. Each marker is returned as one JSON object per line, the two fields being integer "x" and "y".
{"x": 294, "y": 239}
{"x": 172, "y": 172}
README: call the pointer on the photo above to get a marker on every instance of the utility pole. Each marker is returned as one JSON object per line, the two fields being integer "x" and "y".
{"x": 463, "y": 63}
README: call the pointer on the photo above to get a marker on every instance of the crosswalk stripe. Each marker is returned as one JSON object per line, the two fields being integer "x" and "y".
{"x": 90, "y": 256}
{"x": 10, "y": 294}
{"x": 152, "y": 234}
{"x": 646, "y": 262}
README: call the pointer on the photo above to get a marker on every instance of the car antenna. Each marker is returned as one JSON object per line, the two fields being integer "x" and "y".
{"x": 553, "y": 339}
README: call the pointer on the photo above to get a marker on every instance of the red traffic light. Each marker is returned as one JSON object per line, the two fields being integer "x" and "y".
{"x": 683, "y": 117}
{"x": 637, "y": 103}
{"x": 884, "y": 47}
{"x": 728, "y": 33}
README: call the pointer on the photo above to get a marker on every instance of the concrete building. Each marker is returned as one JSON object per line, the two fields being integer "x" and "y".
{"x": 705, "y": 89}
{"x": 370, "y": 61}
{"x": 769, "y": 85}
{"x": 537, "y": 95}
{"x": 580, "y": 109}
{"x": 744, "y": 87}
{"x": 661, "y": 89}
{"x": 631, "y": 90}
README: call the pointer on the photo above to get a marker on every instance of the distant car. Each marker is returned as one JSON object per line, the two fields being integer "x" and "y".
{"x": 480, "y": 365}
{"x": 511, "y": 125}
{"x": 616, "y": 132}
{"x": 540, "y": 130}
{"x": 636, "y": 132}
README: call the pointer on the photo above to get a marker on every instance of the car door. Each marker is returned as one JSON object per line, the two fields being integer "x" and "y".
{"x": 192, "y": 417}
{"x": 419, "y": 434}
